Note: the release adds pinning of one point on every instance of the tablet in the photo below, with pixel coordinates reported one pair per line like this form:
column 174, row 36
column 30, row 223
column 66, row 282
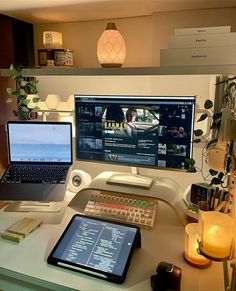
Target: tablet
column 96, row 247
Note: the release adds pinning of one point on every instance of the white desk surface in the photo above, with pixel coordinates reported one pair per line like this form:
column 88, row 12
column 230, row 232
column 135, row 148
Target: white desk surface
column 26, row 261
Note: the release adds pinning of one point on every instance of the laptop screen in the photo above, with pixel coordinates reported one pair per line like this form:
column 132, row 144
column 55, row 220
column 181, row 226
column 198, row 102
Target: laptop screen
column 40, row 142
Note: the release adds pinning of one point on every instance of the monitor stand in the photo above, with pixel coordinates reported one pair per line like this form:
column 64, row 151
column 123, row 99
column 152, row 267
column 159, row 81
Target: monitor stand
column 133, row 179
column 34, row 206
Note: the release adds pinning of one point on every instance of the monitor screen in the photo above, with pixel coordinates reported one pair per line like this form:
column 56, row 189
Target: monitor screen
column 142, row 131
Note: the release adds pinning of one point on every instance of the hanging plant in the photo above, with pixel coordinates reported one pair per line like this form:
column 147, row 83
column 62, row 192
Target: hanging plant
column 24, row 86
column 227, row 101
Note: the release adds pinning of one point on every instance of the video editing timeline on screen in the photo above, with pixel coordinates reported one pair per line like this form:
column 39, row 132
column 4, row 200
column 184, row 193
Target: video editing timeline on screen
column 145, row 131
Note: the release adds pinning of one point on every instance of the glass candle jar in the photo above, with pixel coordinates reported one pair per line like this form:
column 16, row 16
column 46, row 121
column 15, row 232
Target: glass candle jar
column 191, row 254
column 216, row 234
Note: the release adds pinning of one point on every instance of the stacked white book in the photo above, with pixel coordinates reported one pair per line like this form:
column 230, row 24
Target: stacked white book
column 200, row 46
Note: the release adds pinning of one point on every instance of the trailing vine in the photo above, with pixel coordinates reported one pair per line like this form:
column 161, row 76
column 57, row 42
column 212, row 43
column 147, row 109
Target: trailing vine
column 227, row 101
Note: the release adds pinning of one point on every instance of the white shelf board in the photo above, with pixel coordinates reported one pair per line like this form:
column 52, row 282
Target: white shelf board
column 180, row 70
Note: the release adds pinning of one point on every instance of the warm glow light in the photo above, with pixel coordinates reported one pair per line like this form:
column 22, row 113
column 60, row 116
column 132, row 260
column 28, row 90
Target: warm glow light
column 71, row 101
column 52, row 39
column 111, row 49
column 191, row 245
column 52, row 101
column 42, row 106
column 63, row 106
column 216, row 234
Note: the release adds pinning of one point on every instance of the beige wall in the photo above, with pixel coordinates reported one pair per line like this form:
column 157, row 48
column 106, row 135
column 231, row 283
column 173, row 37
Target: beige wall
column 144, row 36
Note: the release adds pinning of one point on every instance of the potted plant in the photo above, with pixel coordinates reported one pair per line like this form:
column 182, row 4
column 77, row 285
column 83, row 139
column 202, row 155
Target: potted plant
column 227, row 101
column 24, row 87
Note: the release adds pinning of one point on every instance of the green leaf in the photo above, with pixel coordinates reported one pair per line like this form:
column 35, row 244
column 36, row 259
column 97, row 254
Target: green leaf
column 202, row 117
column 198, row 132
column 213, row 141
column 36, row 99
column 22, row 92
column 34, row 90
column 36, row 108
column 25, row 102
column 16, row 93
column 23, row 83
column 213, row 172
column 15, row 113
column 18, row 68
column 220, row 175
column 191, row 170
column 208, row 104
column 190, row 162
column 19, row 78
column 34, row 82
column 24, row 109
column 197, row 140
column 216, row 181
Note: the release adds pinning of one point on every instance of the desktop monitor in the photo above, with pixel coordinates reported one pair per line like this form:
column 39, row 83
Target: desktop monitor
column 138, row 131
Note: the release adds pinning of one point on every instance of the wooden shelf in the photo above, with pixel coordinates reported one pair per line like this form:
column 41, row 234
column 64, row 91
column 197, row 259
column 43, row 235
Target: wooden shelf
column 132, row 71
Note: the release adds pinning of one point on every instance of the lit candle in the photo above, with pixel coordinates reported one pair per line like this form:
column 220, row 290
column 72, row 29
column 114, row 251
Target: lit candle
column 216, row 234
column 52, row 39
column 191, row 245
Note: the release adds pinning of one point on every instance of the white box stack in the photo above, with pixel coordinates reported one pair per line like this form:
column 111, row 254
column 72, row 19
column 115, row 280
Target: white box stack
column 200, row 46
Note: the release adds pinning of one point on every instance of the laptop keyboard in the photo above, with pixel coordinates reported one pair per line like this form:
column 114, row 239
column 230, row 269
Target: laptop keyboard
column 36, row 174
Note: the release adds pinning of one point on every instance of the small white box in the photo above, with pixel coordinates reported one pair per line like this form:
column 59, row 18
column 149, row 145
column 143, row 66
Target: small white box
column 202, row 30
column 203, row 40
column 198, row 56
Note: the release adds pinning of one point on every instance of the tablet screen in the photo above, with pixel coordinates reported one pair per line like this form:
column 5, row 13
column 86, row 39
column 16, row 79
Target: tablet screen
column 95, row 244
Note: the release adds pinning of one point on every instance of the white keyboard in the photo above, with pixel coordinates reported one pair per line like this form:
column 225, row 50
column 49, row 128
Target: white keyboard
column 122, row 208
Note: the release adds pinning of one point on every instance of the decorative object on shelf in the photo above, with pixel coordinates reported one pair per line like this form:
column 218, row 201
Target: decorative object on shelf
column 53, row 54
column 191, row 254
column 52, row 39
column 200, row 46
column 55, row 57
column 24, row 86
column 63, row 57
column 111, row 48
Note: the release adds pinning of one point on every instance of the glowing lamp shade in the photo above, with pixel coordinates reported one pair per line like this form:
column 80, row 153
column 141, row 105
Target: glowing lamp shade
column 191, row 247
column 52, row 101
column 63, row 106
column 111, row 49
column 216, row 231
column 42, row 106
column 52, row 39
